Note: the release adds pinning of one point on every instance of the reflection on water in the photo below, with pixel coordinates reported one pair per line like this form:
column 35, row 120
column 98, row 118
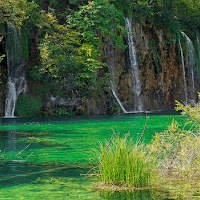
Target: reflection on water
column 8, row 140
column 12, row 138
column 136, row 195
column 71, row 119
column 16, row 173
column 62, row 151
column 60, row 181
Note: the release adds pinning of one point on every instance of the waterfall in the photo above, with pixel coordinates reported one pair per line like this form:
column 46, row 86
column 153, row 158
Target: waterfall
column 191, row 64
column 112, row 79
column 198, row 43
column 16, row 61
column 138, row 106
column 183, row 67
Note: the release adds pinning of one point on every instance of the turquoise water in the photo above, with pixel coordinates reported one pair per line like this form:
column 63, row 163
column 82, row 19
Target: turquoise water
column 46, row 160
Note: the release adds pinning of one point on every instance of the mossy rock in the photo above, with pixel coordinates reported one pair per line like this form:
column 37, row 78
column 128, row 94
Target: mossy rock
column 2, row 29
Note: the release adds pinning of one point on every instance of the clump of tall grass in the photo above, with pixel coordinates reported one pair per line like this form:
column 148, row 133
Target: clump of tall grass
column 122, row 162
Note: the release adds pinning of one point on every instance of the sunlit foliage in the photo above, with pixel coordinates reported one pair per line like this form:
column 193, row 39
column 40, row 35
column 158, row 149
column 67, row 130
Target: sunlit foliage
column 177, row 150
column 16, row 11
column 70, row 52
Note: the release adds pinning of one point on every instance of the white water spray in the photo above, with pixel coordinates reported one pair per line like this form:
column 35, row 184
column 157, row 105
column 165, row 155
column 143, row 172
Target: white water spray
column 184, row 77
column 16, row 83
column 138, row 106
column 191, row 64
column 198, row 43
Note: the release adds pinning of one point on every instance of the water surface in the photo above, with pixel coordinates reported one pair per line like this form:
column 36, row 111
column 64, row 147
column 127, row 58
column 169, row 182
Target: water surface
column 57, row 153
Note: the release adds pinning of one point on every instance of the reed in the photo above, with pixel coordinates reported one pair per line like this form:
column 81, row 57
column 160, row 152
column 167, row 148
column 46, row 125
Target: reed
column 123, row 162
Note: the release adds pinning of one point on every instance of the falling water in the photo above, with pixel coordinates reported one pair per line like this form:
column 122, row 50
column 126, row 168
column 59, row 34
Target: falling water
column 16, row 83
column 112, row 79
column 138, row 106
column 198, row 43
column 183, row 67
column 191, row 64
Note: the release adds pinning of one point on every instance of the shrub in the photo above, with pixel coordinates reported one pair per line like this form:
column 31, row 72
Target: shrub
column 124, row 163
column 193, row 111
column 177, row 150
column 61, row 112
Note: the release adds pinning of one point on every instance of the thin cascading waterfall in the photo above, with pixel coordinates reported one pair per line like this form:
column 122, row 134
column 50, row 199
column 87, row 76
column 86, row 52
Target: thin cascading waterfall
column 198, row 44
column 184, row 77
column 112, row 77
column 138, row 105
column 16, row 61
column 191, row 64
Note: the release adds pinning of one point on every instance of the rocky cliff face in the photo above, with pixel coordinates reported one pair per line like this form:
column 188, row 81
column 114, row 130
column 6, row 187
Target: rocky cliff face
column 160, row 69
column 1, row 94
column 2, row 70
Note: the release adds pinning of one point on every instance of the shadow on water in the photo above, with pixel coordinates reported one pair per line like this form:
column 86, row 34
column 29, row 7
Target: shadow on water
column 145, row 194
column 16, row 173
column 74, row 119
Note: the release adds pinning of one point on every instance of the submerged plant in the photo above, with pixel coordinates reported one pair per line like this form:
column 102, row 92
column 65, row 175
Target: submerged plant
column 122, row 162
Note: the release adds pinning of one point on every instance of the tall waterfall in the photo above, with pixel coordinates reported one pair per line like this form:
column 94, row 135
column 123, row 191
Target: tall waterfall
column 112, row 75
column 16, row 61
column 198, row 43
column 138, row 106
column 183, row 67
column 191, row 64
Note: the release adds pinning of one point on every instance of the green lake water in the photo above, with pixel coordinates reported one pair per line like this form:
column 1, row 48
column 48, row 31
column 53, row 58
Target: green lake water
column 59, row 152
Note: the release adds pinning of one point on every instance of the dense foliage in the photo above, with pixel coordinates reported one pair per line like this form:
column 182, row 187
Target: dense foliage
column 28, row 106
column 19, row 12
column 176, row 151
column 71, row 34
column 71, row 51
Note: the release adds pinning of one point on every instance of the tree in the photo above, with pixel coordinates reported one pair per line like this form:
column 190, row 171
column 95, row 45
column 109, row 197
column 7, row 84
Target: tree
column 70, row 52
column 16, row 11
column 98, row 17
